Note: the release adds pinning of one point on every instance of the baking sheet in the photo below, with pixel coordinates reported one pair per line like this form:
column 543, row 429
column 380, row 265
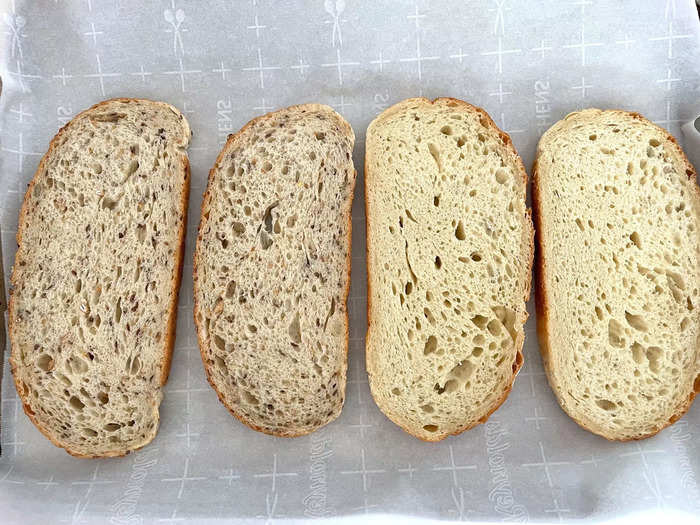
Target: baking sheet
column 528, row 63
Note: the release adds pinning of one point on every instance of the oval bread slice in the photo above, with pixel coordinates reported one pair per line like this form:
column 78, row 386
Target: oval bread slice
column 449, row 256
column 96, row 276
column 617, row 209
column 272, row 269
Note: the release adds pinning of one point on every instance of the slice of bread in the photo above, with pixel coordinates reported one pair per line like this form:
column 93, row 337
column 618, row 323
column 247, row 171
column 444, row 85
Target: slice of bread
column 272, row 269
column 96, row 276
column 449, row 256
column 617, row 212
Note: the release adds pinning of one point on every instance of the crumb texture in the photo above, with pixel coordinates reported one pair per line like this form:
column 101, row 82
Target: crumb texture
column 272, row 270
column 618, row 213
column 449, row 260
column 96, row 274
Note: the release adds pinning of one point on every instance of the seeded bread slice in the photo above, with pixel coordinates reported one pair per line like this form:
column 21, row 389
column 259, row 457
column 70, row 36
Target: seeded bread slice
column 617, row 212
column 449, row 256
column 272, row 269
column 96, row 276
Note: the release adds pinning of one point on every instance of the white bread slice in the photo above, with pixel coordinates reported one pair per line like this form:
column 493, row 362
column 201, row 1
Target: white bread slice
column 272, row 269
column 449, row 256
column 617, row 212
column 96, row 276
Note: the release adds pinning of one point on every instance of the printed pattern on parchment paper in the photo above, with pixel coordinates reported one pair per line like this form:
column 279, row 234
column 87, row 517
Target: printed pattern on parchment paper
column 527, row 63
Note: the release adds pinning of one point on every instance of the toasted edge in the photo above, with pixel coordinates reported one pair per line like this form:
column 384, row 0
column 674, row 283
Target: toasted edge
column 169, row 340
column 508, row 145
column 203, row 342
column 541, row 303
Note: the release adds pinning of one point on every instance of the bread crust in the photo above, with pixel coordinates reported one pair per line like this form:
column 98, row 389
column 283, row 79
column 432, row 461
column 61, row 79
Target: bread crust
column 204, row 342
column 541, row 302
column 528, row 241
column 169, row 340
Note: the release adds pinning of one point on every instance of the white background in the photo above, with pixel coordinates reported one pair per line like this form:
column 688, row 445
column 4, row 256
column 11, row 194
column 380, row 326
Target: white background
column 528, row 63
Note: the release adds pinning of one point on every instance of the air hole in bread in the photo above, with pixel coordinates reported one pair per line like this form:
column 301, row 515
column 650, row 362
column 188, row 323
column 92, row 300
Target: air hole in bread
column 634, row 237
column 76, row 403
column 133, row 365
column 460, row 234
column 294, row 329
column 130, row 169
column 606, row 404
column 250, row 398
column 480, row 321
column 599, row 313
column 430, row 345
column 109, row 203
column 654, row 355
column 636, row 321
column 45, row 362
column 435, row 153
column 615, row 334
column 501, row 176
column 494, row 327
column 265, row 240
column 238, row 228
column 462, row 371
column 230, row 289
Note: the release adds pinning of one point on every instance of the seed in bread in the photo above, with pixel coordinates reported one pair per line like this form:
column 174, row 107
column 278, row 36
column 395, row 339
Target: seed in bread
column 96, row 276
column 272, row 270
column 449, row 254
column 617, row 209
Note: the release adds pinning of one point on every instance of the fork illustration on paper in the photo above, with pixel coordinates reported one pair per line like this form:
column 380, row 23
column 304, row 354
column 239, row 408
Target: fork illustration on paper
column 175, row 20
column 16, row 24
column 335, row 9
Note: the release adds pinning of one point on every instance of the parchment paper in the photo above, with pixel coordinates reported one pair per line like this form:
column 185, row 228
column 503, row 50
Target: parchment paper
column 528, row 63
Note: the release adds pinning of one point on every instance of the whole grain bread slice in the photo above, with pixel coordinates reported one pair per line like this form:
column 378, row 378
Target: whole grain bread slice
column 449, row 256
column 96, row 276
column 272, row 267
column 617, row 210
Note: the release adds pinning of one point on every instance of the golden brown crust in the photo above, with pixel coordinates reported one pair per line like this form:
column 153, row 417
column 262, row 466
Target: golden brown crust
column 541, row 303
column 177, row 278
column 202, row 341
column 508, row 144
column 168, row 341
